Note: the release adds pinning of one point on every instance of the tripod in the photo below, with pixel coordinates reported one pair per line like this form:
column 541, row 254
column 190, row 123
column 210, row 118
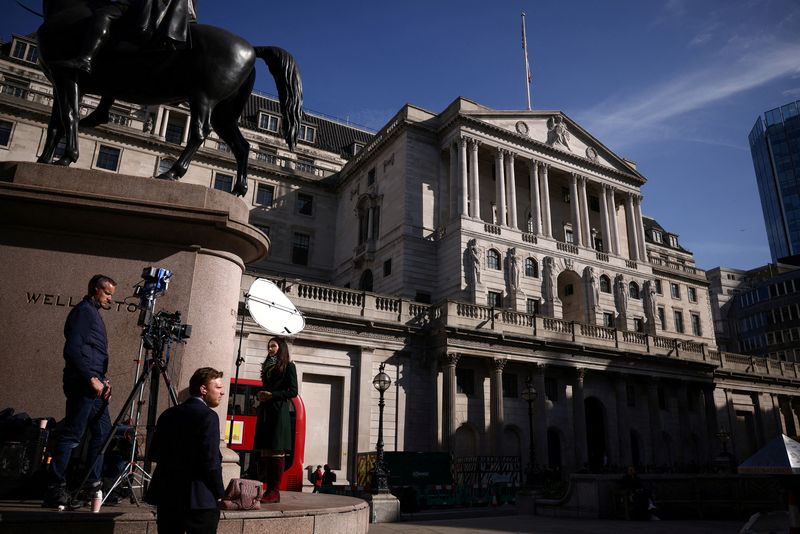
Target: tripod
column 133, row 475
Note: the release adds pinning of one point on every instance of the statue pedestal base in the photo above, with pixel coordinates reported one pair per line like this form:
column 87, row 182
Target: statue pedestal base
column 552, row 309
column 60, row 226
column 383, row 508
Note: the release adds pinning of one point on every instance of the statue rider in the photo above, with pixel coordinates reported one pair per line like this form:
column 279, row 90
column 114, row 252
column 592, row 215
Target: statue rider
column 166, row 22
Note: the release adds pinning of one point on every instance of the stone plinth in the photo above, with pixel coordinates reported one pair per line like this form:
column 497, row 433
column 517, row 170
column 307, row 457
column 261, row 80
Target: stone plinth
column 384, row 508
column 60, row 226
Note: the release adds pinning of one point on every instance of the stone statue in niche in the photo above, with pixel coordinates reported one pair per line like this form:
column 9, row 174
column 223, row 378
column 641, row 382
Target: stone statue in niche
column 592, row 289
column 513, row 269
column 557, row 133
column 548, row 279
column 649, row 301
column 474, row 262
column 620, row 295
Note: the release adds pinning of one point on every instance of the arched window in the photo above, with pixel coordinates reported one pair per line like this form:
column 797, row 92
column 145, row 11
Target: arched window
column 531, row 268
column 365, row 283
column 605, row 284
column 493, row 259
column 633, row 290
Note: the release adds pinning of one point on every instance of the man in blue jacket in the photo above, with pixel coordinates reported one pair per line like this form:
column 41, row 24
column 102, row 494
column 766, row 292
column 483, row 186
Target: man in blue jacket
column 187, row 482
column 86, row 388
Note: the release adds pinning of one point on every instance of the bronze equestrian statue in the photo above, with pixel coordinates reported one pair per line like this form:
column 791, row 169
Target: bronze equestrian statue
column 213, row 71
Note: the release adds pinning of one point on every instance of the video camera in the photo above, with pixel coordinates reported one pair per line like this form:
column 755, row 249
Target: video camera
column 160, row 327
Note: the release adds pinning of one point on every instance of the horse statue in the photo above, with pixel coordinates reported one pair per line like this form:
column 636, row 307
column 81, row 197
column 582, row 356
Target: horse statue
column 215, row 76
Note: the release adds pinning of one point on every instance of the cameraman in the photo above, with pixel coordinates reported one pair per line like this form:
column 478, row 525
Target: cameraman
column 86, row 389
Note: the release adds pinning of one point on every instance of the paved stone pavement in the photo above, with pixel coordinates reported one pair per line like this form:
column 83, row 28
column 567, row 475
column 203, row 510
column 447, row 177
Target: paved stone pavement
column 548, row 525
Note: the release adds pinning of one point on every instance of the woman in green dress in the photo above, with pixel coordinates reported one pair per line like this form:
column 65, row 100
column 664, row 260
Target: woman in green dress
column 273, row 429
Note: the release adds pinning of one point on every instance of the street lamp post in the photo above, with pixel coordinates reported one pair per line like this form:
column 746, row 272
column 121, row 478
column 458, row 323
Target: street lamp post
column 529, row 395
column 380, row 476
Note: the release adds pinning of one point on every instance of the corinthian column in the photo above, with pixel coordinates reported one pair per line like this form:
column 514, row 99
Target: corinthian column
column 612, row 221
column 544, row 193
column 496, row 406
column 475, row 187
column 587, row 231
column 604, row 226
column 462, row 176
column 512, row 191
column 579, row 423
column 501, row 187
column 637, row 213
column 449, row 362
column 577, row 234
column 633, row 241
column 536, row 224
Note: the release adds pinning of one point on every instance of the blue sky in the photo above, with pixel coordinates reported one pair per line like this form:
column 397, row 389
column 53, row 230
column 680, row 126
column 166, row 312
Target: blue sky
column 674, row 85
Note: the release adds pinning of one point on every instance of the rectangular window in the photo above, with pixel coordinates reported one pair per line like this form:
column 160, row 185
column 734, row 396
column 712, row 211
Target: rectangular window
column 594, row 203
column 268, row 122
column 33, row 54
column 300, row 246
column 494, row 299
column 551, row 388
column 608, row 320
column 387, row 267
column 108, row 158
column 371, row 176
column 307, row 133
column 696, row 329
column 5, row 132
column 510, row 388
column 678, row 321
column 692, row 294
column 265, row 195
column 630, row 395
column 19, row 50
column 465, row 381
column 675, row 290
column 659, row 289
column 532, row 306
column 568, row 237
column 305, row 204
column 223, row 182
column 565, row 195
column 662, row 318
column 638, row 324
column 174, row 133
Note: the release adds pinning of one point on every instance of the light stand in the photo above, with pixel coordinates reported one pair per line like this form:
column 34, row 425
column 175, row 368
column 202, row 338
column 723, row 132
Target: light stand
column 239, row 362
column 380, row 476
column 529, row 395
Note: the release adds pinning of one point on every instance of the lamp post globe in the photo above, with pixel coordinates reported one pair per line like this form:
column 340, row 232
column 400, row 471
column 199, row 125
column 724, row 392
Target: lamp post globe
column 380, row 477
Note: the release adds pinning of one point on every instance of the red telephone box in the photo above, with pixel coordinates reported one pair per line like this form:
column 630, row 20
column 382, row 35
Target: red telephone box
column 242, row 406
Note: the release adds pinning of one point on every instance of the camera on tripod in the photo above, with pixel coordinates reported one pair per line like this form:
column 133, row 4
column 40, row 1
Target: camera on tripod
column 160, row 327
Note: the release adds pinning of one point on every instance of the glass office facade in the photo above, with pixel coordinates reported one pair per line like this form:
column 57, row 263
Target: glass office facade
column 775, row 147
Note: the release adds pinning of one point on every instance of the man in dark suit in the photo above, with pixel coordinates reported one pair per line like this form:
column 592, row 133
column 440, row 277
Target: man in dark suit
column 187, row 482
column 86, row 388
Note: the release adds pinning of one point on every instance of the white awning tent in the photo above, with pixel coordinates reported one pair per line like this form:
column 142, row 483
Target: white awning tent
column 781, row 456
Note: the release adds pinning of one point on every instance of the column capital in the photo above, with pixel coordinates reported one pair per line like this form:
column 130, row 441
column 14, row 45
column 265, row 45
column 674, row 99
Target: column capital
column 450, row 359
column 501, row 153
column 498, row 364
column 580, row 375
column 462, row 139
column 474, row 143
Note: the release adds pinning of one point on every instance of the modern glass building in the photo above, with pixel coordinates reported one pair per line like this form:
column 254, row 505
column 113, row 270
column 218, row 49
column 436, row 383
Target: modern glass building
column 775, row 146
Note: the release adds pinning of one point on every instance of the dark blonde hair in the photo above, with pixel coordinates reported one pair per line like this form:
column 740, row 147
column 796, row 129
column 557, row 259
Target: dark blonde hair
column 202, row 377
column 283, row 354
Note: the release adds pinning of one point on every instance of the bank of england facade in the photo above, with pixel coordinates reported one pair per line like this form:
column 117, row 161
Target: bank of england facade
column 470, row 251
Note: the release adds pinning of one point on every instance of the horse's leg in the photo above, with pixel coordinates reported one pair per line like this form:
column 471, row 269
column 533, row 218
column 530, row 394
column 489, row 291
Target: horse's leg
column 100, row 115
column 68, row 103
column 54, row 134
column 199, row 127
column 225, row 119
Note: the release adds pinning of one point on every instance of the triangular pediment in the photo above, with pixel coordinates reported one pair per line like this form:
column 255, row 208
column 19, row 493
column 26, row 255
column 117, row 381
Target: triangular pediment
column 553, row 129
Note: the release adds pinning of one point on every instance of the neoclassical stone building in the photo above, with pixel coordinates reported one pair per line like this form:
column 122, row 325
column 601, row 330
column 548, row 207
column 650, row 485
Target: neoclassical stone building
column 469, row 251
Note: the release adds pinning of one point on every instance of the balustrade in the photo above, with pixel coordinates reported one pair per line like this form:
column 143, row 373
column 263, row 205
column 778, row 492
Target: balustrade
column 567, row 247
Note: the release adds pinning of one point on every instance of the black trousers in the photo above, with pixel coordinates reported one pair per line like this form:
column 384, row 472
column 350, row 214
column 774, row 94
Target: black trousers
column 171, row 521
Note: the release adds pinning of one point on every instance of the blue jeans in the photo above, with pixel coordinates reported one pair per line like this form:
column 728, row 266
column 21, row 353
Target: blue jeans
column 82, row 413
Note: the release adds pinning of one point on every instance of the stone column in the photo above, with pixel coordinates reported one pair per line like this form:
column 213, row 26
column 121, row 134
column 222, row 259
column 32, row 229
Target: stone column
column 449, row 362
column 158, row 126
column 684, row 429
column 637, row 203
column 623, row 427
column 712, row 426
column 759, row 423
column 540, row 416
column 633, row 241
column 475, row 186
column 462, row 176
column 544, row 194
column 579, row 415
column 536, row 216
column 612, row 221
column 370, row 215
column 452, row 194
column 655, row 421
column 186, row 130
column 788, row 417
column 586, row 227
column 164, row 122
column 496, row 405
column 500, row 180
column 577, row 234
column 604, row 226
column 365, row 402
column 511, row 191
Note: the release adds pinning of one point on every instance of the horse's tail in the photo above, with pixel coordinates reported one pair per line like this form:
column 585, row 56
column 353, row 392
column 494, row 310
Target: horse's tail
column 290, row 90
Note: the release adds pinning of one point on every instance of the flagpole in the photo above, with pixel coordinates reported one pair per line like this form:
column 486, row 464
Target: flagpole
column 527, row 65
